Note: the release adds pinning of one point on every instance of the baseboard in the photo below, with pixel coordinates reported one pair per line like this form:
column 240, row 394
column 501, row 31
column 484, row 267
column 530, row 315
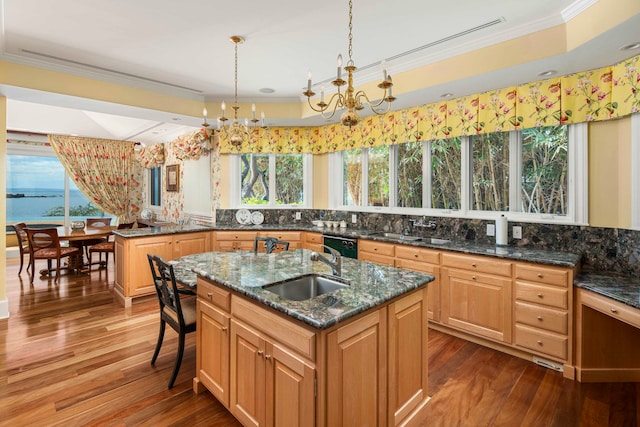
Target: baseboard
column 4, row 309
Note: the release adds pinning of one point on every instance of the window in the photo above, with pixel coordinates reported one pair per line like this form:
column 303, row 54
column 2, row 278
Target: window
column 271, row 180
column 155, row 186
column 48, row 196
column 534, row 175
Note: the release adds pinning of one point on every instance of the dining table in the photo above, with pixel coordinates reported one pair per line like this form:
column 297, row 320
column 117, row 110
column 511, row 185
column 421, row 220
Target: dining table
column 79, row 238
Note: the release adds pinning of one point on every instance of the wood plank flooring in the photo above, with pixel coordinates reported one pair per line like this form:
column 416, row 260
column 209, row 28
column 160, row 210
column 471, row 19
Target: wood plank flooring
column 71, row 356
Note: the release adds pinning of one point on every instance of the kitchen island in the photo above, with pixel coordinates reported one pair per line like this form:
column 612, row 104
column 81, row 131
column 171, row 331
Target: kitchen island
column 353, row 356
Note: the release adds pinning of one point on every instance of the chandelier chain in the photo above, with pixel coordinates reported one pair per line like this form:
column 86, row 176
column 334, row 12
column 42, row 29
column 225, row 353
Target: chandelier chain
column 350, row 31
column 236, row 80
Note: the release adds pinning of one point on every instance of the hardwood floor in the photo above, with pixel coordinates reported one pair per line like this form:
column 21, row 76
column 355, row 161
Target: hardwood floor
column 70, row 355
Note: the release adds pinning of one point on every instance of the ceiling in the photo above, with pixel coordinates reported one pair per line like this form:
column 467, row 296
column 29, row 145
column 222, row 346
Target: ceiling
column 183, row 48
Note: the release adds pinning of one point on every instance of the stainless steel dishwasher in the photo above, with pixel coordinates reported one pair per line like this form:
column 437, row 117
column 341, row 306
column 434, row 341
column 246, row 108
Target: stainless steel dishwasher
column 346, row 247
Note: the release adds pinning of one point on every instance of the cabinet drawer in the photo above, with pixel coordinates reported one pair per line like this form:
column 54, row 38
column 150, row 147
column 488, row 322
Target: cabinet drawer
column 480, row 264
column 539, row 274
column 235, row 235
column 214, row 294
column 546, row 295
column 376, row 247
column 418, row 254
column 542, row 317
column 422, row 267
column 542, row 342
column 285, row 236
column 615, row 309
column 376, row 258
column 313, row 238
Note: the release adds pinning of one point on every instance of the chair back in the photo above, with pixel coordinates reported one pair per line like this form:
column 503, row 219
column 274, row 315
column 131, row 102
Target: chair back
column 43, row 238
column 125, row 225
column 164, row 280
column 21, row 235
column 99, row 222
column 270, row 244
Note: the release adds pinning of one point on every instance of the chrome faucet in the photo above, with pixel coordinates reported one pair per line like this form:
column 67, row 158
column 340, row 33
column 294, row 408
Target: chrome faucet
column 335, row 262
column 420, row 223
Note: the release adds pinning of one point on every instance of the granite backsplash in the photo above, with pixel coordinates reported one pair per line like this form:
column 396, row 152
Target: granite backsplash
column 603, row 249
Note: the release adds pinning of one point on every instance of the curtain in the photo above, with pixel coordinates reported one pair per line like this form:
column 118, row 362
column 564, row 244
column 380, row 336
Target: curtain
column 103, row 170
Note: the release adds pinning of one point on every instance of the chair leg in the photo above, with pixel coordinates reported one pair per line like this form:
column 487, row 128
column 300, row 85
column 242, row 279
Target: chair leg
column 159, row 343
column 106, row 260
column 176, row 368
column 21, row 262
column 57, row 271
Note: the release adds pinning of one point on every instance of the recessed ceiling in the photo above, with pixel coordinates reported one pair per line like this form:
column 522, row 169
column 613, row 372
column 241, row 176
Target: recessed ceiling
column 183, row 48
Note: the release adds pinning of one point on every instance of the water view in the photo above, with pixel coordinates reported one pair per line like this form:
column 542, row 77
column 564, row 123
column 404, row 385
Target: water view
column 44, row 204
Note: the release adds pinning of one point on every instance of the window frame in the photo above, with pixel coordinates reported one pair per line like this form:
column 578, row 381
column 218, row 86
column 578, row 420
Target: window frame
column 149, row 186
column 577, row 183
column 235, row 167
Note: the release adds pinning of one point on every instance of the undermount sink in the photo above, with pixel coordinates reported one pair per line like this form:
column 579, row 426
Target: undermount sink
column 306, row 287
column 409, row 238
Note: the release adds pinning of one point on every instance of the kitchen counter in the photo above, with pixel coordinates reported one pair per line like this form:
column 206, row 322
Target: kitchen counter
column 560, row 259
column 619, row 288
column 246, row 273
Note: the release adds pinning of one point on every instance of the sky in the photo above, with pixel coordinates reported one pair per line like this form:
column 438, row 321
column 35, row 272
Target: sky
column 35, row 172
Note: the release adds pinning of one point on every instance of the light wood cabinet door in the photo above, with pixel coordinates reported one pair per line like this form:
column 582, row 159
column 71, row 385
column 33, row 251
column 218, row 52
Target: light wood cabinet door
column 212, row 350
column 138, row 280
column 355, row 397
column 270, row 386
column 247, row 401
column 290, row 392
column 477, row 303
column 434, row 286
column 408, row 358
column 313, row 241
column 191, row 243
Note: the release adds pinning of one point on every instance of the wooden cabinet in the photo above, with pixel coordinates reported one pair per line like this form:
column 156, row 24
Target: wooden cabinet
column 356, row 380
column 407, row 358
column 380, row 253
column 476, row 302
column 541, row 310
column 313, row 241
column 607, row 339
column 212, row 341
column 370, row 370
column 425, row 261
column 133, row 274
column 234, row 240
column 293, row 237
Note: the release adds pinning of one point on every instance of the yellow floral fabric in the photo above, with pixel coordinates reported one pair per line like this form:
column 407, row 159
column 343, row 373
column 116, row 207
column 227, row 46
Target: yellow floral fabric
column 601, row 94
column 626, row 87
column 497, row 110
column 587, row 96
column 193, row 145
column 538, row 104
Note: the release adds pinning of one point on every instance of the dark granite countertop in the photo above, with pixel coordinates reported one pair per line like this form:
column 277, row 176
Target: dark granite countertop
column 160, row 231
column 246, row 273
column 619, row 288
column 561, row 259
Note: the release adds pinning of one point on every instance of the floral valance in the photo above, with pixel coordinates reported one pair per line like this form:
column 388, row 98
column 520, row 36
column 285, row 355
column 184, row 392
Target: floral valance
column 151, row 156
column 193, row 145
column 602, row 94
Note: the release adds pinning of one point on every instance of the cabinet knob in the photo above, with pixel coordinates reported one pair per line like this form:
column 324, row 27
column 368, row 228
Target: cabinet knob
column 223, row 329
column 539, row 342
column 375, row 249
column 539, row 318
column 540, row 296
column 415, row 255
column 267, row 357
column 260, row 352
column 209, row 295
column 614, row 311
column 473, row 277
column 473, row 264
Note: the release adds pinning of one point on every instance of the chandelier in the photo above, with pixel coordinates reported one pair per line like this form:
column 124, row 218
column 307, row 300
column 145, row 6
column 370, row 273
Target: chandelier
column 236, row 132
column 351, row 100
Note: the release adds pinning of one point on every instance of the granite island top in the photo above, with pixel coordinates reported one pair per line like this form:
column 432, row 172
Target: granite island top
column 557, row 258
column 246, row 273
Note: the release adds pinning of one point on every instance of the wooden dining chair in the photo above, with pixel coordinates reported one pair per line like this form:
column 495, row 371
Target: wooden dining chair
column 269, row 245
column 179, row 313
column 95, row 223
column 45, row 244
column 106, row 247
column 23, row 243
